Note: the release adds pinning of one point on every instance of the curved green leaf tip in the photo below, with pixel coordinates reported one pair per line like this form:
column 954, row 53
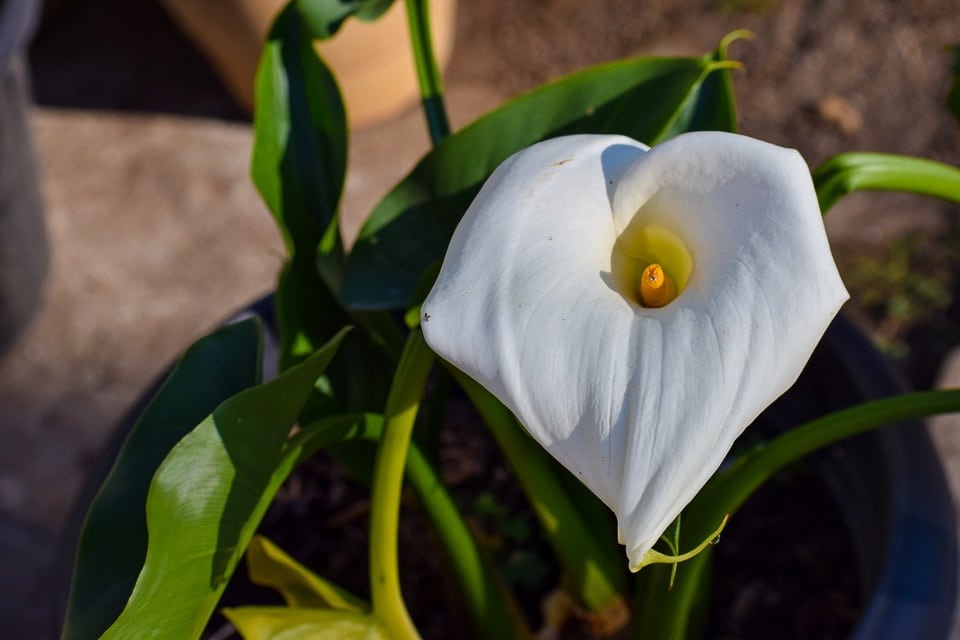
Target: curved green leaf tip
column 113, row 541
column 730, row 38
column 325, row 17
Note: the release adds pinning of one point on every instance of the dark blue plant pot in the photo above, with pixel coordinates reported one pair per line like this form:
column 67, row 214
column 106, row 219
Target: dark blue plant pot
column 914, row 573
column 890, row 486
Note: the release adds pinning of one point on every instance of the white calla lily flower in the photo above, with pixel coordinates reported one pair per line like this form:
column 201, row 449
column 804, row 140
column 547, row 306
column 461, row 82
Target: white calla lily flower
column 637, row 308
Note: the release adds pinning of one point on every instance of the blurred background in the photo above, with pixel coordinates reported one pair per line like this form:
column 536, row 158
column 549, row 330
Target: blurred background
column 129, row 226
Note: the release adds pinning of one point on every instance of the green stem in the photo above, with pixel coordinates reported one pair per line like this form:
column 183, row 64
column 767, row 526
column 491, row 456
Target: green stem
column 428, row 74
column 594, row 570
column 401, row 413
column 490, row 607
column 492, row 614
column 849, row 172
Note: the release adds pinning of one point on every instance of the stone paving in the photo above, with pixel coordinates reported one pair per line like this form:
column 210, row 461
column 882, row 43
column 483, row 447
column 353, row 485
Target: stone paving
column 156, row 234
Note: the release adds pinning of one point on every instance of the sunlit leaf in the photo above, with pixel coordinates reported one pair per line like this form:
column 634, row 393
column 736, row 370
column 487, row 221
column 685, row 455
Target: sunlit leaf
column 279, row 623
column 270, row 566
column 300, row 145
column 205, row 502
column 299, row 160
column 113, row 542
column 325, row 17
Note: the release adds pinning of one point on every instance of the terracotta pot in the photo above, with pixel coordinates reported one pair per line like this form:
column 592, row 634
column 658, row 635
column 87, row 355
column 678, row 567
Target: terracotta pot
column 372, row 61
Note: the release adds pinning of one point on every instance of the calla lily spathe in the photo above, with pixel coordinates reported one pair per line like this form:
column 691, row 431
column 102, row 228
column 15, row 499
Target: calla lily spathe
column 539, row 301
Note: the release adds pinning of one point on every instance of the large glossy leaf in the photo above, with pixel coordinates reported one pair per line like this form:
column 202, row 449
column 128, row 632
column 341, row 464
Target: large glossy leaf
column 711, row 106
column 300, row 145
column 325, row 17
column 307, row 314
column 279, row 623
column 644, row 98
column 206, row 499
column 113, row 542
column 299, row 160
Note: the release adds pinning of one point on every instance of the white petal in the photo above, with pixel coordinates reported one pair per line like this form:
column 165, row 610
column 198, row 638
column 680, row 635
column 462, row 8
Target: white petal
column 641, row 404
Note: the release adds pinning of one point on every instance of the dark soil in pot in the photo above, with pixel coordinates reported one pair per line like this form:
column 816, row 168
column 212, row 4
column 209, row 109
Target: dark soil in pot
column 785, row 566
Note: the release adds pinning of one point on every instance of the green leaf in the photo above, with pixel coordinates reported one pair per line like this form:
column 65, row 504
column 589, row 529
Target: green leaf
column 644, row 98
column 299, row 160
column 298, row 165
column 358, row 378
column 953, row 98
column 711, row 106
column 268, row 565
column 279, row 623
column 849, row 172
column 307, row 314
column 113, row 542
column 206, row 500
column 489, row 606
column 300, row 145
column 325, row 17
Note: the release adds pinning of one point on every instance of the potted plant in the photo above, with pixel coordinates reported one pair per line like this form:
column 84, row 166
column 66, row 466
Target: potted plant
column 634, row 308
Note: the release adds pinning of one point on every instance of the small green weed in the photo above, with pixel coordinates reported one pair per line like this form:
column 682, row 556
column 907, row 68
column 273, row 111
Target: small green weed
column 908, row 286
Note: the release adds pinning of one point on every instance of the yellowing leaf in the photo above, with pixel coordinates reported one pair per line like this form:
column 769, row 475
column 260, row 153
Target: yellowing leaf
column 270, row 566
column 281, row 623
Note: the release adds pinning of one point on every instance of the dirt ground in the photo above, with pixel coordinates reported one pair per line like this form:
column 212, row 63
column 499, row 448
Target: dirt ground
column 156, row 233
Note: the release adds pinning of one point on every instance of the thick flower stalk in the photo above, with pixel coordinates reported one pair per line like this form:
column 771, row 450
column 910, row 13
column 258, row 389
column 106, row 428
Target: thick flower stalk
column 636, row 309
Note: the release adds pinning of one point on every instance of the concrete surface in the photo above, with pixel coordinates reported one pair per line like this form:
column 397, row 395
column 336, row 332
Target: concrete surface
column 156, row 232
column 155, row 238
